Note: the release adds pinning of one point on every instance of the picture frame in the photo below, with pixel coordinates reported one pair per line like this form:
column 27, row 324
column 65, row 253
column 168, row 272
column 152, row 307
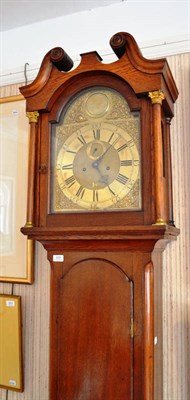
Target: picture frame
column 16, row 251
column 11, row 363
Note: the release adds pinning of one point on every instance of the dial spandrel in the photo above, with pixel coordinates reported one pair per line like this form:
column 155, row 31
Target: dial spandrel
column 96, row 154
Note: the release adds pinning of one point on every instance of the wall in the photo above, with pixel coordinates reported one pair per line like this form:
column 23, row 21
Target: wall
column 159, row 27
column 176, row 271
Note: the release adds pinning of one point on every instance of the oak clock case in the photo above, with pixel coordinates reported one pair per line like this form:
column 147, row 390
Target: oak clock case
column 100, row 202
column 96, row 154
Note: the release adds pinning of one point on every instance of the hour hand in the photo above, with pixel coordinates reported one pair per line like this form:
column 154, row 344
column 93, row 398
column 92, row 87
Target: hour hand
column 96, row 163
column 103, row 178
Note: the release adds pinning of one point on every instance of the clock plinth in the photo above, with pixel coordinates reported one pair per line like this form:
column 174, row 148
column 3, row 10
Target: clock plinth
column 100, row 202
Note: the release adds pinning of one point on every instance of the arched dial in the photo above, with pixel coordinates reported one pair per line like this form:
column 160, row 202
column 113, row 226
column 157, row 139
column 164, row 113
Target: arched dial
column 97, row 166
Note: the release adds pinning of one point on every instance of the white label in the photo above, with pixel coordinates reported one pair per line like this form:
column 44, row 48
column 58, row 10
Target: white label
column 155, row 340
column 10, row 303
column 58, row 257
column 12, row 382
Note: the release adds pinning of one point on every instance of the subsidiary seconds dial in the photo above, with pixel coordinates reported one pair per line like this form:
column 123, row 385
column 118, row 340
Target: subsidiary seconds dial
column 97, row 166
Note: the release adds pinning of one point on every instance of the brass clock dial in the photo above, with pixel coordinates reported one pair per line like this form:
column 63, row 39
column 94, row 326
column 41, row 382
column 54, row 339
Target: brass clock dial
column 97, row 159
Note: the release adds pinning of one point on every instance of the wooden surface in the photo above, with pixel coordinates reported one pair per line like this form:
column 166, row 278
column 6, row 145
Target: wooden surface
column 81, row 366
column 149, row 331
column 95, row 350
column 143, row 73
column 101, row 288
column 31, row 173
column 134, row 77
column 158, row 327
column 158, row 169
column 175, row 280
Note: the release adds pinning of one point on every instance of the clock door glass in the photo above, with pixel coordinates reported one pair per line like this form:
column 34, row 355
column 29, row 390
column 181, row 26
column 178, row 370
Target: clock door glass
column 96, row 157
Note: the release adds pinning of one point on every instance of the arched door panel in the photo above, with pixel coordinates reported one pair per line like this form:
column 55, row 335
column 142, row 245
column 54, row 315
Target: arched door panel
column 95, row 347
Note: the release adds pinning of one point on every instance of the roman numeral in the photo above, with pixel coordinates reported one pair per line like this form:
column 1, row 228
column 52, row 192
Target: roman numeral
column 130, row 183
column 95, row 195
column 68, row 166
column 122, row 147
column 71, row 151
column 130, row 143
column 115, row 140
column 62, row 186
column 111, row 191
column 136, row 162
column 96, row 133
column 81, row 139
column 122, row 179
column 70, row 181
column 126, row 163
column 80, row 192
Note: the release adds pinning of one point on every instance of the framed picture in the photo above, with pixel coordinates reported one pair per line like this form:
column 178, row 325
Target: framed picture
column 11, row 369
column 16, row 252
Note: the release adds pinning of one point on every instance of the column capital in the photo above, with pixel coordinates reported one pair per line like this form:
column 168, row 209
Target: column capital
column 32, row 116
column 156, row 97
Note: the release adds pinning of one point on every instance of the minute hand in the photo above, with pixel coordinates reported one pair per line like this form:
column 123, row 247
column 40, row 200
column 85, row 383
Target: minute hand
column 97, row 162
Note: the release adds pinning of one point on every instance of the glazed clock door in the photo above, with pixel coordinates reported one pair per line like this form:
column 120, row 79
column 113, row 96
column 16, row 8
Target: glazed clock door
column 96, row 154
column 94, row 346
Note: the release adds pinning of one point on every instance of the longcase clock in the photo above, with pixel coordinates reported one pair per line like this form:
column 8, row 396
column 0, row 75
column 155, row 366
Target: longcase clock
column 100, row 202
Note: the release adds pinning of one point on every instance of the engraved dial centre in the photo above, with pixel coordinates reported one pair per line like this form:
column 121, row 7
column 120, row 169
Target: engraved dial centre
column 96, row 165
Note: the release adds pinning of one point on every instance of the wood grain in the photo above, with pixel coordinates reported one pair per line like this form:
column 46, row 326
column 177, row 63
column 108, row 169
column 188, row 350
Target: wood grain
column 95, row 347
column 158, row 152
column 82, row 366
column 148, row 332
